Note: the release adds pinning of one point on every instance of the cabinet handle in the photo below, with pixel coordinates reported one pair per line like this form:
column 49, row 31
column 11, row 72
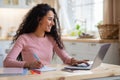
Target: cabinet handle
column 93, row 44
column 73, row 43
column 73, row 54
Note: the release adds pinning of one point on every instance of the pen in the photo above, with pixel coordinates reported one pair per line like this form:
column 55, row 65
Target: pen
column 36, row 57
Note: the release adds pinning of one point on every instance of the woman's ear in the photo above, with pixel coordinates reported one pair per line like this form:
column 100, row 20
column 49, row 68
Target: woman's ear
column 40, row 22
column 38, row 19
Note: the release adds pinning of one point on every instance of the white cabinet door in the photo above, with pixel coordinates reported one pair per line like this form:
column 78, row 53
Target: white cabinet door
column 56, row 60
column 4, row 45
column 113, row 55
column 1, row 60
column 81, row 50
column 84, row 50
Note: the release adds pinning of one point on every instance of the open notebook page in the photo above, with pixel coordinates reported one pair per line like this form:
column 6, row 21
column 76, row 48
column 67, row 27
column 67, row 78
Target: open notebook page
column 46, row 68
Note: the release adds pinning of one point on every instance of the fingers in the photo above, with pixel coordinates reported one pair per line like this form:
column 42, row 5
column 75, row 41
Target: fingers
column 75, row 62
column 84, row 61
column 36, row 64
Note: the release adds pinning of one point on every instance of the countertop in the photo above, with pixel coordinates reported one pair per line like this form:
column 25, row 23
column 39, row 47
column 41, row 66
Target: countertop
column 5, row 39
column 70, row 39
column 104, row 70
column 95, row 40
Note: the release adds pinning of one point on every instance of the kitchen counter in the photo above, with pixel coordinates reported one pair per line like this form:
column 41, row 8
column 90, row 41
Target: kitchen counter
column 95, row 40
column 5, row 39
column 70, row 39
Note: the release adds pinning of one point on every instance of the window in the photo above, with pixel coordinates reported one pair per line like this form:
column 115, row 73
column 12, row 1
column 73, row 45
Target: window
column 86, row 13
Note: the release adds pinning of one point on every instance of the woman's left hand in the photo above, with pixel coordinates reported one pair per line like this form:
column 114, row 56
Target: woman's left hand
column 74, row 62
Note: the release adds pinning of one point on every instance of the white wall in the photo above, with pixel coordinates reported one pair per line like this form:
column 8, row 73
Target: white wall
column 10, row 17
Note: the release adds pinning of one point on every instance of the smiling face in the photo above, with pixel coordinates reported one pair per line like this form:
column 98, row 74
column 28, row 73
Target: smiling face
column 46, row 23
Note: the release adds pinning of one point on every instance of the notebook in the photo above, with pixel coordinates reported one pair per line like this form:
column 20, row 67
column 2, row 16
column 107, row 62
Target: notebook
column 93, row 64
column 12, row 71
column 46, row 68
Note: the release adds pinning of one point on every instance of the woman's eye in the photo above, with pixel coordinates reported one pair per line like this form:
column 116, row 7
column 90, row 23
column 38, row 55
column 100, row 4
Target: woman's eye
column 50, row 19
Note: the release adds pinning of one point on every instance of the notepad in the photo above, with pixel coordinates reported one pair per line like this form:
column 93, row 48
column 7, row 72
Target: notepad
column 13, row 71
column 46, row 68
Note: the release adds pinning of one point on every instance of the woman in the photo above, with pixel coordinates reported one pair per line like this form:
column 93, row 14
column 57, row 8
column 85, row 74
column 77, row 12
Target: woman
column 38, row 34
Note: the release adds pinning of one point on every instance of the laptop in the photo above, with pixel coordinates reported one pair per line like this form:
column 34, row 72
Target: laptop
column 93, row 64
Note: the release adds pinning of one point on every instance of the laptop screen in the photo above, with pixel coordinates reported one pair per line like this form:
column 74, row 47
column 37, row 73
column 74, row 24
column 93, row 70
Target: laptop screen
column 100, row 56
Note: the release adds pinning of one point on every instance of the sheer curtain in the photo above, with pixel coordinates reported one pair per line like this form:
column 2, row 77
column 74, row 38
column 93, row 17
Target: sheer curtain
column 63, row 16
column 85, row 12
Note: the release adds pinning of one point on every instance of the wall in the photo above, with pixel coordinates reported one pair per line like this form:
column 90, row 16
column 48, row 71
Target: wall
column 10, row 18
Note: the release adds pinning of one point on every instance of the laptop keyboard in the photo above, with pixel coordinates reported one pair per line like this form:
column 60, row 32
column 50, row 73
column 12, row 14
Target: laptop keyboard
column 82, row 65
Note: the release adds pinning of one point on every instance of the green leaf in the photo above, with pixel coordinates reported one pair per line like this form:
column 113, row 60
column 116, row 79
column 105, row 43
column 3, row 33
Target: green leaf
column 77, row 27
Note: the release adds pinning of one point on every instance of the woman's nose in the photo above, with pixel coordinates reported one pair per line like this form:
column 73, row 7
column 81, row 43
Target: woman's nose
column 53, row 23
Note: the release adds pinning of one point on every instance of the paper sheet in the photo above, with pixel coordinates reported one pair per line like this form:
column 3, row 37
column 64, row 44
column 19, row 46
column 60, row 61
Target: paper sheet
column 46, row 68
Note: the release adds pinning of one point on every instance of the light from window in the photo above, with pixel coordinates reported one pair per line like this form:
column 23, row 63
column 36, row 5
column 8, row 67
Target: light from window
column 87, row 13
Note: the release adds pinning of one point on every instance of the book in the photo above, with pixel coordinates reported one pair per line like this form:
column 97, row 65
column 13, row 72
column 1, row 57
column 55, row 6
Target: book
column 12, row 71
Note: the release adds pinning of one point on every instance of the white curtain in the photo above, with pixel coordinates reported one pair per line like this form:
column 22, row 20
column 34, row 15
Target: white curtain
column 63, row 15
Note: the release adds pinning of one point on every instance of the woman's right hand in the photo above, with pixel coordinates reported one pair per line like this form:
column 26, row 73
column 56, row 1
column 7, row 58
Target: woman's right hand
column 33, row 65
column 75, row 62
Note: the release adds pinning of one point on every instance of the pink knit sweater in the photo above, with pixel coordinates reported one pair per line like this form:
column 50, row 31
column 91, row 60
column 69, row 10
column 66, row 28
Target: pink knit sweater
column 29, row 44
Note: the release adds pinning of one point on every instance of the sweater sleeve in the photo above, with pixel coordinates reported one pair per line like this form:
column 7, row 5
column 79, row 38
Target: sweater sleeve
column 61, row 53
column 10, row 60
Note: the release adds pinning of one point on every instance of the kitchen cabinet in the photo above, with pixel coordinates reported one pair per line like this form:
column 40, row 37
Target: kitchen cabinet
column 1, row 60
column 4, row 47
column 18, row 3
column 88, row 50
column 80, row 50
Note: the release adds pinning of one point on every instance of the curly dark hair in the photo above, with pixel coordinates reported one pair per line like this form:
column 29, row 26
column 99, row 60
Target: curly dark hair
column 31, row 22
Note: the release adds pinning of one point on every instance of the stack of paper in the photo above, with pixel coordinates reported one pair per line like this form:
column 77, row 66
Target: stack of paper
column 13, row 71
